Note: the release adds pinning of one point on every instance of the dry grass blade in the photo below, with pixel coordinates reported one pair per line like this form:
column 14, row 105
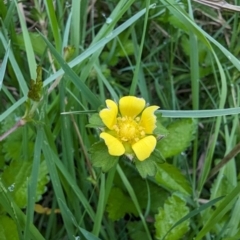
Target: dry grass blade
column 219, row 5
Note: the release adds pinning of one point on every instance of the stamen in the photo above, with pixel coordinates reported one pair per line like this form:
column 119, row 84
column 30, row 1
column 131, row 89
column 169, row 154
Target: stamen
column 128, row 129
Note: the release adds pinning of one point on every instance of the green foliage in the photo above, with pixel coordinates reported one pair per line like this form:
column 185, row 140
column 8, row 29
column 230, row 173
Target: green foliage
column 148, row 167
column 174, row 209
column 180, row 134
column 171, row 178
column 119, row 204
column 101, row 158
column 17, row 177
column 8, row 228
column 123, row 204
column 136, row 231
column 95, row 121
column 175, row 54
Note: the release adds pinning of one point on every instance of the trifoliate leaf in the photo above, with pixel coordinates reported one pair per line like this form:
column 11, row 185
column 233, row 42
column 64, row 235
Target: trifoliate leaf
column 119, row 204
column 180, row 134
column 174, row 209
column 95, row 121
column 101, row 158
column 16, row 177
column 171, row 178
column 8, row 228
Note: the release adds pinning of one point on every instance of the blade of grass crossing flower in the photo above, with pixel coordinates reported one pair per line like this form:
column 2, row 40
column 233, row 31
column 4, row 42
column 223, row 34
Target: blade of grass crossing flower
column 33, row 182
column 86, row 92
column 134, row 199
column 221, row 210
column 53, row 23
column 50, row 158
column 100, row 207
column 3, row 66
column 28, row 44
column 142, row 83
column 199, row 113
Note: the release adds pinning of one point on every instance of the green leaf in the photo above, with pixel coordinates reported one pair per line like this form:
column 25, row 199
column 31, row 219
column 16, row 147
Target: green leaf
column 38, row 43
column 157, row 194
column 174, row 209
column 180, row 134
column 136, row 231
column 160, row 129
column 171, row 178
column 149, row 193
column 101, row 158
column 119, row 204
column 8, row 228
column 148, row 166
column 95, row 121
column 16, row 177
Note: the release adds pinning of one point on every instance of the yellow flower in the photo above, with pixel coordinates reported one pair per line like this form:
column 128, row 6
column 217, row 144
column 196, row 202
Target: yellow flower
column 129, row 127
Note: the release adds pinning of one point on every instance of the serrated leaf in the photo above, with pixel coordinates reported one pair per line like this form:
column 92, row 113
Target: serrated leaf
column 148, row 166
column 8, row 228
column 180, row 134
column 174, row 209
column 171, row 178
column 119, row 204
column 95, row 121
column 101, row 158
column 160, row 129
column 16, row 177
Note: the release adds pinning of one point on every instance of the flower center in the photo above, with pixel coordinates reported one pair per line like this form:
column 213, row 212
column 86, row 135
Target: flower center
column 128, row 129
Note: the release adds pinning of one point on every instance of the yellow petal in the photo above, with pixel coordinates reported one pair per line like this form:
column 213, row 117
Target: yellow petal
column 109, row 114
column 131, row 106
column 148, row 119
column 115, row 147
column 144, row 147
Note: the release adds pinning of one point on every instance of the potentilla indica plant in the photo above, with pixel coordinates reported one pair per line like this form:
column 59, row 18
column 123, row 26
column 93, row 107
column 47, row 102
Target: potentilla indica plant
column 128, row 128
